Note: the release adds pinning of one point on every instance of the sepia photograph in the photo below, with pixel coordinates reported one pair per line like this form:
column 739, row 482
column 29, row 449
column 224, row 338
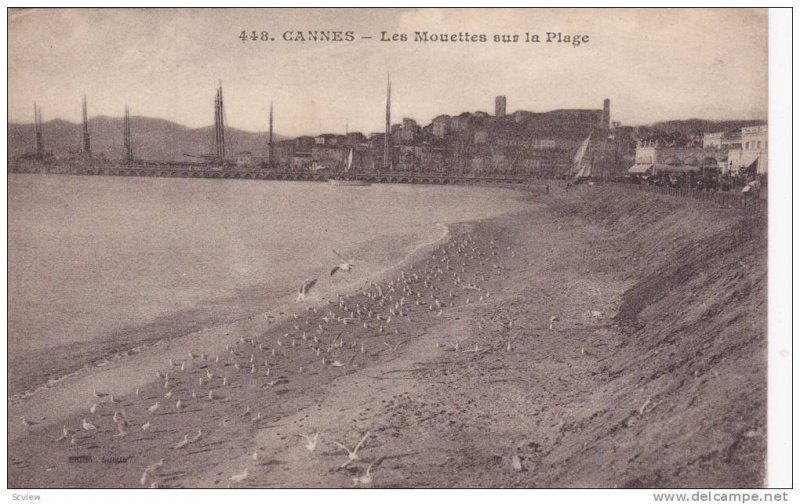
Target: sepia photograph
column 406, row 248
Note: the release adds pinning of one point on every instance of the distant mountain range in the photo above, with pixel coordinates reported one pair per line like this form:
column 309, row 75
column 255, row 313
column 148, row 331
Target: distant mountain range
column 151, row 139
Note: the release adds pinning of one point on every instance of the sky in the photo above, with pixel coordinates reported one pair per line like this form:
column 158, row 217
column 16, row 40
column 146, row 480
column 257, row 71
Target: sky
column 653, row 64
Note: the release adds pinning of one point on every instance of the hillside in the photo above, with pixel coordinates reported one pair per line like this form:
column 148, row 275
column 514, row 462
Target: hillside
column 152, row 139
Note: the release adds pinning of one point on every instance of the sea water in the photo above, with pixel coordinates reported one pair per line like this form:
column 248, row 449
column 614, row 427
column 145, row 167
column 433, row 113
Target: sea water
column 101, row 263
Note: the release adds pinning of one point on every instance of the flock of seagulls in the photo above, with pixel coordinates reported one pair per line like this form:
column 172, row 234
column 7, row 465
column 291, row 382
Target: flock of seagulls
column 368, row 323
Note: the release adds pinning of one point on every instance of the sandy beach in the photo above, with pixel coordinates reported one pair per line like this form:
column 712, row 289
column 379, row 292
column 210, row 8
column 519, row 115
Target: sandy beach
column 598, row 338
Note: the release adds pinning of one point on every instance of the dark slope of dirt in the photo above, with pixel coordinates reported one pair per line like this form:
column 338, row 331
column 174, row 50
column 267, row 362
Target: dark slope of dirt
column 685, row 396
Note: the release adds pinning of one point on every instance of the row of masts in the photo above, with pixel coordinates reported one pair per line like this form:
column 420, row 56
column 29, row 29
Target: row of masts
column 220, row 136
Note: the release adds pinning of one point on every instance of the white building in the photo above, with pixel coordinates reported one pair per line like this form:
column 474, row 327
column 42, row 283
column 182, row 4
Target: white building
column 755, row 144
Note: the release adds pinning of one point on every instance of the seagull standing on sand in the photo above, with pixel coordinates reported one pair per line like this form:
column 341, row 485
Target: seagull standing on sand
column 183, row 443
column 238, row 478
column 346, row 264
column 65, row 435
column 311, row 441
column 28, row 423
column 305, row 288
column 87, row 426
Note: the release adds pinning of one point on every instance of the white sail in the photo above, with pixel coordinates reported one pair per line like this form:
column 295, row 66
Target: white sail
column 577, row 161
column 349, row 161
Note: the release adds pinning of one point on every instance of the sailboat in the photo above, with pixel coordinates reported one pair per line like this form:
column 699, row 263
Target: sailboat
column 584, row 169
column 344, row 178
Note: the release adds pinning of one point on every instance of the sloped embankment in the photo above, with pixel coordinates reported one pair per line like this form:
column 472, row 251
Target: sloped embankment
column 685, row 393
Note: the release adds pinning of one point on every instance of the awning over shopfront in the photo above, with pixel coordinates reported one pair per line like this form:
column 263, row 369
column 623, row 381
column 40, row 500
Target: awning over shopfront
column 640, row 168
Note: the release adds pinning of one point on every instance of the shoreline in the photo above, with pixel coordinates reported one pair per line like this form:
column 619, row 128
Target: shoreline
column 211, row 341
column 139, row 358
column 34, row 369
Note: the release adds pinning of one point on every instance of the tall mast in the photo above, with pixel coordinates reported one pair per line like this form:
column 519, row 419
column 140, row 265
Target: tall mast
column 221, row 125
column 271, row 149
column 216, row 124
column 217, row 141
column 126, row 130
column 386, row 141
column 37, row 119
column 87, row 146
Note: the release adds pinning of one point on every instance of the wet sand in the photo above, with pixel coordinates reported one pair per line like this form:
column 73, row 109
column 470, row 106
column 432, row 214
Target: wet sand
column 475, row 364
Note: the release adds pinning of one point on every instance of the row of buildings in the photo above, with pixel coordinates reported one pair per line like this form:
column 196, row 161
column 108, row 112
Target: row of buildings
column 731, row 153
column 521, row 143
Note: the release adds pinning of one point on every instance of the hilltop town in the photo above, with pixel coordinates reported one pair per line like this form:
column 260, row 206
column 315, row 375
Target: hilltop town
column 521, row 145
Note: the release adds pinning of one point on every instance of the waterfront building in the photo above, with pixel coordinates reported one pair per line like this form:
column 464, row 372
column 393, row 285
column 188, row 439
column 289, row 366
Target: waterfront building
column 753, row 153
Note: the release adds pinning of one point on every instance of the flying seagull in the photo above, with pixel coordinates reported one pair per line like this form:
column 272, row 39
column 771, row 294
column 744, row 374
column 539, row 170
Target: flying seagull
column 346, row 264
column 352, row 455
column 305, row 288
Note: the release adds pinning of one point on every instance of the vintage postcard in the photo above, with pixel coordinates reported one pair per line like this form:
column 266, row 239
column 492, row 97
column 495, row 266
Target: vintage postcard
column 388, row 248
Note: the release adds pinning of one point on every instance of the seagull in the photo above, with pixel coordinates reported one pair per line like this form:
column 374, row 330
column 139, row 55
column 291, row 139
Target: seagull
column 238, row 478
column 352, row 455
column 346, row 264
column 305, row 288
column 153, row 467
column 183, row 443
column 311, row 441
column 87, row 426
column 65, row 435
column 146, row 425
column 29, row 423
column 120, row 419
column 366, row 479
column 149, row 470
column 153, row 408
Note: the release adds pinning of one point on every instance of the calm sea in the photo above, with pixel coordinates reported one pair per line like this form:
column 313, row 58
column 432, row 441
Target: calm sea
column 98, row 262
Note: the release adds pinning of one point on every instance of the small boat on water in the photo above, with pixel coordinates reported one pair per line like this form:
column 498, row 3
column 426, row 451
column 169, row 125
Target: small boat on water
column 344, row 178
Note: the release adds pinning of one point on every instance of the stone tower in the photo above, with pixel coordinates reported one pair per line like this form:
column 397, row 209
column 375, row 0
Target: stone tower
column 500, row 106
